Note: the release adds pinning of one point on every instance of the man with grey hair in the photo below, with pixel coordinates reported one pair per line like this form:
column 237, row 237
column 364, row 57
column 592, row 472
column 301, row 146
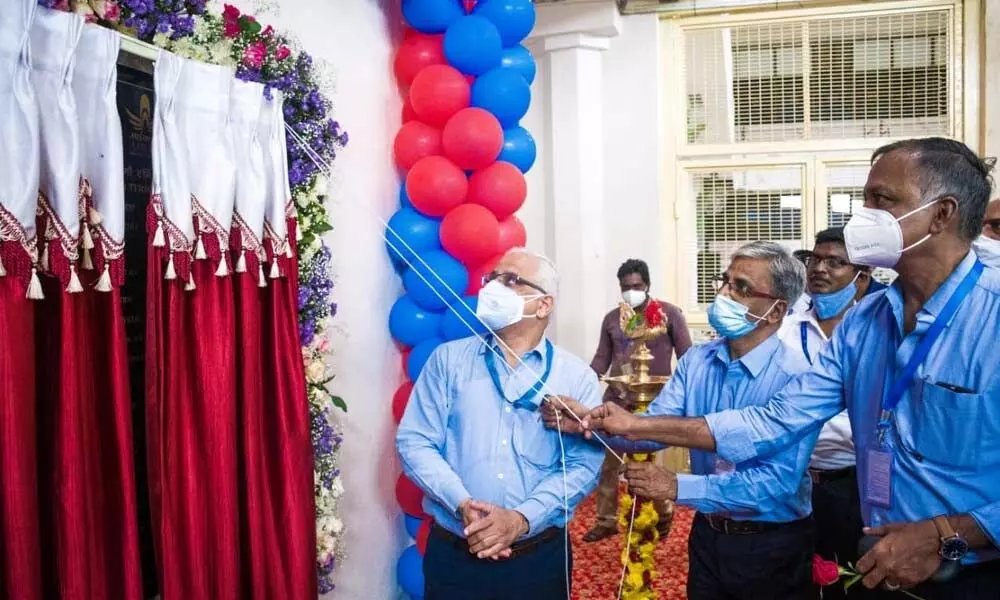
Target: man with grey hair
column 498, row 484
column 916, row 368
column 753, row 535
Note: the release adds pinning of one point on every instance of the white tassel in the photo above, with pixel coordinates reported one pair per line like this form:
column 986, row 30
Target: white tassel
column 275, row 270
column 35, row 287
column 261, row 280
column 88, row 240
column 104, row 283
column 199, row 250
column 171, row 272
column 44, row 260
column 189, row 286
column 94, row 216
column 159, row 240
column 74, row 286
column 3, row 271
column 86, row 262
column 241, row 262
column 223, row 269
column 288, row 250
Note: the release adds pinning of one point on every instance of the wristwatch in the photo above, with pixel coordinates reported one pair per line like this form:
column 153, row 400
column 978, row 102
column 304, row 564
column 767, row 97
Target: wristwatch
column 953, row 547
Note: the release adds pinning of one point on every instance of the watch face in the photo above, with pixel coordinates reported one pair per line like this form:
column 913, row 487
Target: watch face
column 954, row 548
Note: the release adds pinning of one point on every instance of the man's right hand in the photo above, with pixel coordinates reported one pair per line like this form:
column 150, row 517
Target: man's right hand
column 611, row 418
column 556, row 414
column 474, row 510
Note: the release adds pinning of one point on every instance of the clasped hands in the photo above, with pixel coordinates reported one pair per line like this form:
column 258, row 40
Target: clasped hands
column 570, row 416
column 491, row 530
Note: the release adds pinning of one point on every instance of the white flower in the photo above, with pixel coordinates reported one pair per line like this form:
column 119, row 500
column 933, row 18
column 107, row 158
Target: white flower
column 316, row 371
column 201, row 27
column 221, row 51
column 338, row 487
column 162, row 40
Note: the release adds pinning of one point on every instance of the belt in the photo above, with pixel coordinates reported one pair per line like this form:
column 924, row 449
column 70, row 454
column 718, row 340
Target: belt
column 519, row 548
column 732, row 527
column 820, row 476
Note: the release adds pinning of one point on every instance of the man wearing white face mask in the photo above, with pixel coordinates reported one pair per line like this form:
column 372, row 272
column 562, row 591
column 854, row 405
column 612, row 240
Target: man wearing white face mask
column 916, row 368
column 987, row 245
column 472, row 439
column 613, row 353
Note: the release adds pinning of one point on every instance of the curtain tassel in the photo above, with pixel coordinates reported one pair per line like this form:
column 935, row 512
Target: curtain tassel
column 94, row 216
column 3, row 271
column 199, row 250
column 86, row 262
column 223, row 269
column 104, row 283
column 241, row 262
column 171, row 272
column 35, row 287
column 190, row 286
column 74, row 286
column 288, row 250
column 88, row 240
column 261, row 280
column 159, row 240
column 275, row 270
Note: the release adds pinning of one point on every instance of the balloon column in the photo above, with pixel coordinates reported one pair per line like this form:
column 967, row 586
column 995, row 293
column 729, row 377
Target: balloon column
column 462, row 155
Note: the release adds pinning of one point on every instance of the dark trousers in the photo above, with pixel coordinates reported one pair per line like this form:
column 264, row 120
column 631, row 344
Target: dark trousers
column 771, row 565
column 981, row 582
column 452, row 573
column 837, row 512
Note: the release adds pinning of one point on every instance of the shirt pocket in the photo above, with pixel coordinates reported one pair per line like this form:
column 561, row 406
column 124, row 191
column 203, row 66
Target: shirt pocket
column 534, row 444
column 948, row 426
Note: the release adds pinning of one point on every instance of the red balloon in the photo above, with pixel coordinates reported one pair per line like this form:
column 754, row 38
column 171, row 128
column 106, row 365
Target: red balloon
column 512, row 234
column 499, row 187
column 470, row 233
column 408, row 114
column 435, row 186
column 414, row 141
column 476, row 275
column 417, row 51
column 399, row 400
column 472, row 139
column 409, row 497
column 438, row 92
column 422, row 534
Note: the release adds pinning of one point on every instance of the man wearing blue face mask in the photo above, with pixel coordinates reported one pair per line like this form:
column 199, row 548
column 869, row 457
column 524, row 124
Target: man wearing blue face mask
column 987, row 245
column 833, row 285
column 498, row 484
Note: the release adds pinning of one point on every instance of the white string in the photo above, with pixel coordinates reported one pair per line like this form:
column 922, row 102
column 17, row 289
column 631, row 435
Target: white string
column 628, row 547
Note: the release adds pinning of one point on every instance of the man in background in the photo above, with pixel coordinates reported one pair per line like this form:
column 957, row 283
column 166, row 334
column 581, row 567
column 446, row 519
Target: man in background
column 802, row 304
column 987, row 245
column 833, row 286
column 612, row 358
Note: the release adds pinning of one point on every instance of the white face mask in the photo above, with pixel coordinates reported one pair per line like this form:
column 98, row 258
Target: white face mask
column 500, row 307
column 988, row 250
column 634, row 298
column 874, row 238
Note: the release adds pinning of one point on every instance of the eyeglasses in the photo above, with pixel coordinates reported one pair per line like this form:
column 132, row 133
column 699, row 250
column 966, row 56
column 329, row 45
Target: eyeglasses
column 832, row 263
column 510, row 280
column 992, row 225
column 740, row 286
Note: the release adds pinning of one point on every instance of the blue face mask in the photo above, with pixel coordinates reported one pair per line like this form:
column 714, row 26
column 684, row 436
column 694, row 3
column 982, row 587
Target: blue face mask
column 830, row 305
column 729, row 317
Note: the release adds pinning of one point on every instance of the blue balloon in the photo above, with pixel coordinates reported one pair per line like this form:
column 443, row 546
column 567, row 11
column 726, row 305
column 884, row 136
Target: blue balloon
column 472, row 45
column 418, row 357
column 504, row 93
column 513, row 18
column 397, row 264
column 411, row 232
column 404, row 200
column 518, row 148
column 432, row 16
column 432, row 294
column 518, row 58
column 412, row 525
column 452, row 327
column 409, row 324
column 410, row 571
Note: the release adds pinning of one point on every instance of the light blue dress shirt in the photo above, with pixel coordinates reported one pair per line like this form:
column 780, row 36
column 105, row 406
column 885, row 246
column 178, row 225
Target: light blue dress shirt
column 945, row 444
column 459, row 438
column 775, row 489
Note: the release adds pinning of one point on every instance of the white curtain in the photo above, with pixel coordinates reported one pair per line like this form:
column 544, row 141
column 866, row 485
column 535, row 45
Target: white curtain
column 247, row 104
column 101, row 162
column 279, row 194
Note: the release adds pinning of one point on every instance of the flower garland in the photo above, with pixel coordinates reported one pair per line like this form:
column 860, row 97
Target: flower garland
column 640, row 569
column 261, row 54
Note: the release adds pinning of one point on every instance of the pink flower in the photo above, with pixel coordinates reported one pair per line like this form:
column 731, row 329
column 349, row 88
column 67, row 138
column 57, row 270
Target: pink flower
column 230, row 12
column 323, row 345
column 267, row 31
column 111, row 11
column 230, row 29
column 254, row 55
column 282, row 53
column 825, row 572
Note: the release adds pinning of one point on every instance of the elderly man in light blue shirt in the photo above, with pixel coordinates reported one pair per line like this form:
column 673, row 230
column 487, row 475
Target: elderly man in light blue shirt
column 498, row 484
column 918, row 369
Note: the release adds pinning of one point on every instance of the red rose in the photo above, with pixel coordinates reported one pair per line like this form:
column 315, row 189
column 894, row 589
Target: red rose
column 654, row 314
column 230, row 12
column 267, row 31
column 282, row 53
column 825, row 572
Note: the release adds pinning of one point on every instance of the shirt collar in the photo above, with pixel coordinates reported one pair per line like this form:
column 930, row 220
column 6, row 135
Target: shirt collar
column 538, row 351
column 938, row 299
column 753, row 361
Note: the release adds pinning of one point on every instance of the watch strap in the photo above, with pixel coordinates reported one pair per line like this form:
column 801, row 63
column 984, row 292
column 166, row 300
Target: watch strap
column 945, row 530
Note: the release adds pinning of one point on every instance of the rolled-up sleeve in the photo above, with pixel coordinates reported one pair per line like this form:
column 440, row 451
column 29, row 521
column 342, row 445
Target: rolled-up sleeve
column 988, row 519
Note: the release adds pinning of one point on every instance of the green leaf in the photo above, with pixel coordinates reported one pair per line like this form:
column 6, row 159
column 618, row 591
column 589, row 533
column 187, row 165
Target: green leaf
column 339, row 403
column 250, row 26
column 322, row 227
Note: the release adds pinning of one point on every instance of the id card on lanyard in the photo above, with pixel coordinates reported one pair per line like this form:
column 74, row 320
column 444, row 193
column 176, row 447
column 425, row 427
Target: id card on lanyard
column 879, row 472
column 526, row 399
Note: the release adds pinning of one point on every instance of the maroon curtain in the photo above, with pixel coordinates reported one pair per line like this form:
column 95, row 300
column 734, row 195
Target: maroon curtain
column 20, row 554
column 191, row 427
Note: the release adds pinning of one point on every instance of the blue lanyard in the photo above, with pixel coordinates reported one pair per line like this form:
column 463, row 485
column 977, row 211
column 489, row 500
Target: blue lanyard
column 902, row 381
column 805, row 345
column 527, row 397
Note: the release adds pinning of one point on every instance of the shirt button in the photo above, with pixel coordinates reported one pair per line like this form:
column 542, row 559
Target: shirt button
column 503, row 442
column 507, row 408
column 499, row 475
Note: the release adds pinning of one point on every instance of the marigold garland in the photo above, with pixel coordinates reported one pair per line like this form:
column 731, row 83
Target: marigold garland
column 640, row 569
